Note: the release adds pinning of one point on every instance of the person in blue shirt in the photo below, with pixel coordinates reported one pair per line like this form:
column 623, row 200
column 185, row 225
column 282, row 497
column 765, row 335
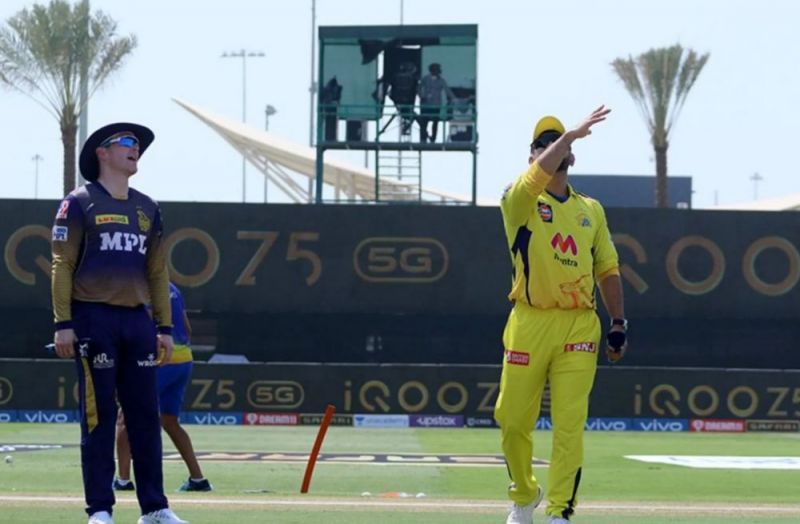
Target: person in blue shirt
column 173, row 378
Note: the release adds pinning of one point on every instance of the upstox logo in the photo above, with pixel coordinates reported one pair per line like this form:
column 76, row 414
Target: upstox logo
column 564, row 244
column 119, row 241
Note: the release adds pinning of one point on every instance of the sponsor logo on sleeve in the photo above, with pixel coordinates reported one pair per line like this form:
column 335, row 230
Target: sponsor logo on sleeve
column 111, row 219
column 60, row 233
column 545, row 212
column 582, row 347
column 717, row 425
column 63, row 210
column 517, row 358
column 583, row 220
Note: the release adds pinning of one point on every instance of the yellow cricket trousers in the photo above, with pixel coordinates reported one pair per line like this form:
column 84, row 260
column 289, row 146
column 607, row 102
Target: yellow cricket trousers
column 559, row 346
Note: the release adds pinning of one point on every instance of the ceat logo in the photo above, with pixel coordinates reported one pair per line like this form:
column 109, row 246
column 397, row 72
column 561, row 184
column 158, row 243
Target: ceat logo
column 564, row 244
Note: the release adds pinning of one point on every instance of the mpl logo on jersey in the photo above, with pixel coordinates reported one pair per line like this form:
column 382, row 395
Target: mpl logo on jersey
column 270, row 419
column 49, row 416
column 380, row 421
column 211, row 418
column 437, row 421
column 660, row 424
column 119, row 241
column 718, row 425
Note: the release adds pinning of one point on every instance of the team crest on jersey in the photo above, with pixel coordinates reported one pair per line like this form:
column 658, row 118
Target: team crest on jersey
column 545, row 212
column 583, row 220
column 63, row 210
column 144, row 222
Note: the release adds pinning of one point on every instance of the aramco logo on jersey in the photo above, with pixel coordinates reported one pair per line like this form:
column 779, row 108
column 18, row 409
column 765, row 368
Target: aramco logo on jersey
column 564, row 244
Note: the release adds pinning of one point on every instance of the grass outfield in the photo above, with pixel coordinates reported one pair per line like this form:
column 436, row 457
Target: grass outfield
column 45, row 486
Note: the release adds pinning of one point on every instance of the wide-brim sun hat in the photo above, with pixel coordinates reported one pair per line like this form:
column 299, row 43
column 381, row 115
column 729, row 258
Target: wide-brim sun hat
column 89, row 166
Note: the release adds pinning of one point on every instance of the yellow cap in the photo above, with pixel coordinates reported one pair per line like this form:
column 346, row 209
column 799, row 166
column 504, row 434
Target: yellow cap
column 547, row 123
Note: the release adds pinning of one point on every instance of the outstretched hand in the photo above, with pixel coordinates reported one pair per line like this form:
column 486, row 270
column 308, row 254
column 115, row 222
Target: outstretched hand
column 584, row 129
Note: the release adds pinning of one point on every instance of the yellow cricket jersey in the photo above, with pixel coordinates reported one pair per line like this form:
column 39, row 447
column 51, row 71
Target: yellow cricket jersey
column 558, row 249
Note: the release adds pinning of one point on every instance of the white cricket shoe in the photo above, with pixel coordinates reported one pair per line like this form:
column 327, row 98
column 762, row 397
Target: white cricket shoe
column 524, row 514
column 161, row 516
column 557, row 520
column 101, row 517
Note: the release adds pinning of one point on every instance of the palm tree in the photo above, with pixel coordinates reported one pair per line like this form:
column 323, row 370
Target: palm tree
column 46, row 51
column 659, row 80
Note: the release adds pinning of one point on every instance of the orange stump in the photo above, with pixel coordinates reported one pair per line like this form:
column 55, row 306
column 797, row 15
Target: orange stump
column 312, row 459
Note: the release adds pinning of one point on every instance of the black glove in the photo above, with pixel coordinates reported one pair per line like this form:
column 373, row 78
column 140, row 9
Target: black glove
column 617, row 344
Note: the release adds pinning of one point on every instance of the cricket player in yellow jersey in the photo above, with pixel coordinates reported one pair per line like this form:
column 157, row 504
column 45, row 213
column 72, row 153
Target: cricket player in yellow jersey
column 561, row 249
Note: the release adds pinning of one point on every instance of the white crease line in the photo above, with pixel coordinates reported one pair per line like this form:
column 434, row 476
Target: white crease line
column 640, row 507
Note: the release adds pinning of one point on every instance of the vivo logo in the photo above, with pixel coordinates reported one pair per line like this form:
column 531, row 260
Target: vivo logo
column 123, row 242
column 600, row 424
column 544, row 423
column 214, row 419
column 661, row 425
column 47, row 417
column 6, row 417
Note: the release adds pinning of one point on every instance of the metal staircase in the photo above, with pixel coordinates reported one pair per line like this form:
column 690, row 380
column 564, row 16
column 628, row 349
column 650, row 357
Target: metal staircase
column 398, row 176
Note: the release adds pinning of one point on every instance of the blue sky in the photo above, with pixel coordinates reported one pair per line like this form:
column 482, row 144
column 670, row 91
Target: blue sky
column 534, row 58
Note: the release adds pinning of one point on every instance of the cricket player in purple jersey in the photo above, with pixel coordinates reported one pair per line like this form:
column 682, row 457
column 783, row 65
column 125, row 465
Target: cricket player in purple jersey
column 108, row 264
